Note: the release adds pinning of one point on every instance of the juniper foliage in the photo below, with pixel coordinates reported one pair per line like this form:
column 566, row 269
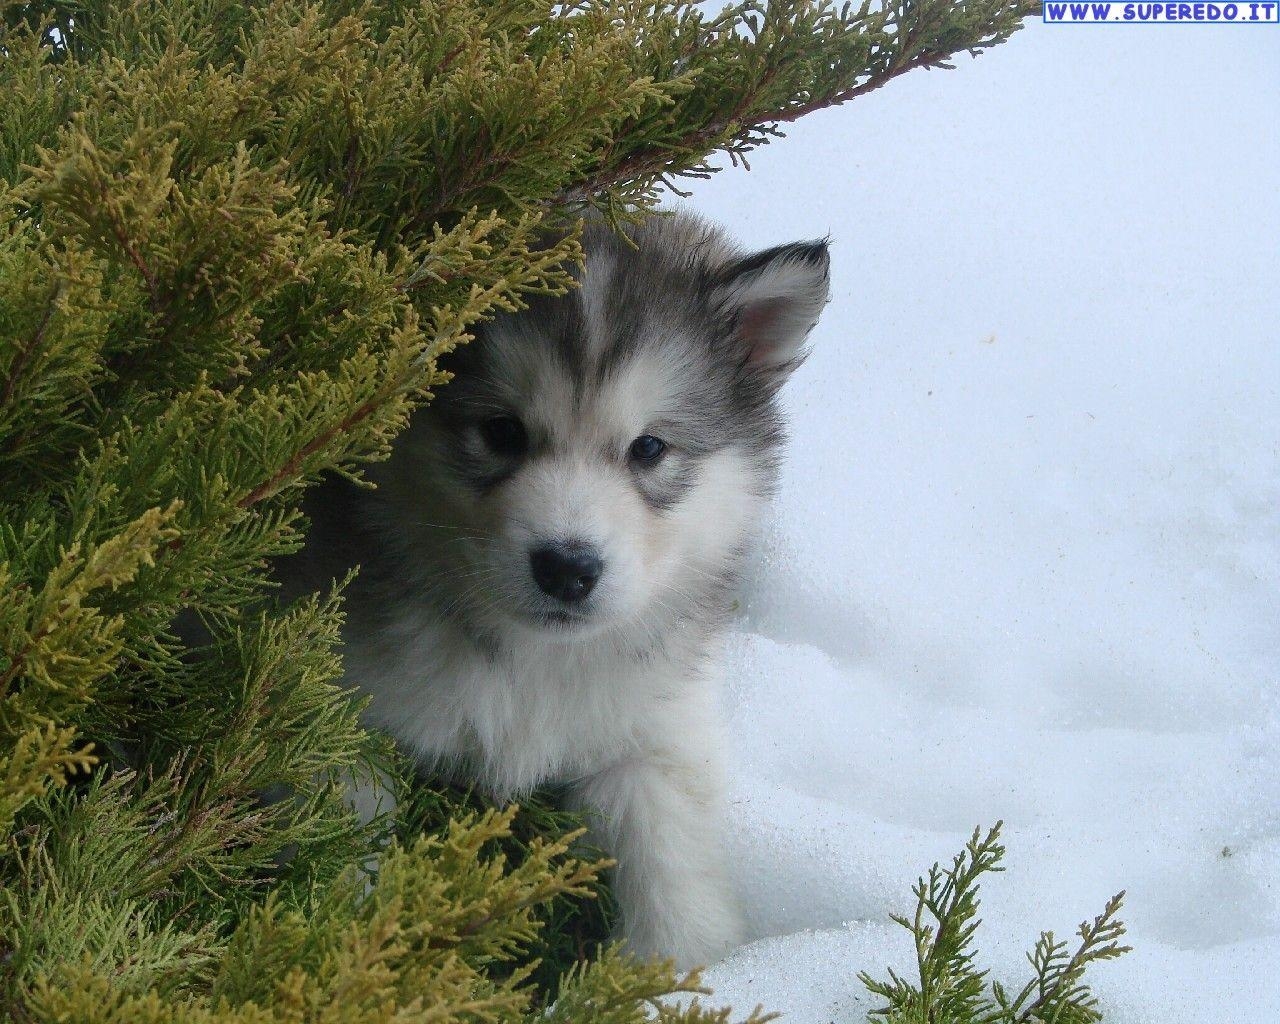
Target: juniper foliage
column 234, row 240
column 951, row 989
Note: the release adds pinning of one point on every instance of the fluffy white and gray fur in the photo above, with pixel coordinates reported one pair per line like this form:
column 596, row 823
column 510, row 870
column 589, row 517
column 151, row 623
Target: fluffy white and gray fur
column 550, row 553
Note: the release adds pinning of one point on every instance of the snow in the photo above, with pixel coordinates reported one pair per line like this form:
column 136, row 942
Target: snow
column 1025, row 563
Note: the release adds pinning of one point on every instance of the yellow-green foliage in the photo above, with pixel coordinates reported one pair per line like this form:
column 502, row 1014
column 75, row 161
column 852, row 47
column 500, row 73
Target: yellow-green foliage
column 413, row 951
column 234, row 239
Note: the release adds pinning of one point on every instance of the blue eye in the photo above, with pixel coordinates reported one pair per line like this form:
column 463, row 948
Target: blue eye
column 505, row 435
column 647, row 448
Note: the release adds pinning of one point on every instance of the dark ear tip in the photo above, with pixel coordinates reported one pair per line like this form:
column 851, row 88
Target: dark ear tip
column 816, row 251
column 810, row 254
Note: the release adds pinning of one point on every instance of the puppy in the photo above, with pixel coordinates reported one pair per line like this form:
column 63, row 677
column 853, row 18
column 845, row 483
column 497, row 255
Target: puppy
column 550, row 554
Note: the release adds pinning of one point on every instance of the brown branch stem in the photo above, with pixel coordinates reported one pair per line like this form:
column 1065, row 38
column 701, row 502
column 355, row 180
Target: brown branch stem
column 131, row 250
column 654, row 158
column 28, row 350
column 294, row 463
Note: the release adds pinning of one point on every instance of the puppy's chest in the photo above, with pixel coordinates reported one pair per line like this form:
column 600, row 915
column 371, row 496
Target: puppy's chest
column 555, row 713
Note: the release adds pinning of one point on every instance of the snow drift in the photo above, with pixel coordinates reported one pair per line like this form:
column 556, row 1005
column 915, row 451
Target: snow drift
column 1025, row 564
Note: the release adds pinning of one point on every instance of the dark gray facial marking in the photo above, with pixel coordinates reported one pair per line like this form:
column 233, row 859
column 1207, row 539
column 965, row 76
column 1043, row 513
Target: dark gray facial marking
column 658, row 295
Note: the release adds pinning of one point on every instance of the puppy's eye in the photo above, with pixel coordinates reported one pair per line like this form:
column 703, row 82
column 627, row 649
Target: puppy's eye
column 505, row 436
column 647, row 448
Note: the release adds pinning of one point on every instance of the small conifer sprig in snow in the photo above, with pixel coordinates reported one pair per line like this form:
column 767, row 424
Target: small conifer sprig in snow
column 951, row 989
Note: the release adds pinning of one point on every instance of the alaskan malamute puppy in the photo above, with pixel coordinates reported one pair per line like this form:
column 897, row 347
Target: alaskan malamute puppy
column 551, row 551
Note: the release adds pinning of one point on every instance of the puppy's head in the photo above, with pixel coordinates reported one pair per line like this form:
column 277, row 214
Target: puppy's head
column 598, row 460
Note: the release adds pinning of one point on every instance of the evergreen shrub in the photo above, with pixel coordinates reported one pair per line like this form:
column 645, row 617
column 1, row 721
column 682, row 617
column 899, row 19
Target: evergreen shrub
column 234, row 239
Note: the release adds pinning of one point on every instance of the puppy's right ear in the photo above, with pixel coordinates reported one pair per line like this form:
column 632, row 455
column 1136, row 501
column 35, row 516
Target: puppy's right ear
column 772, row 301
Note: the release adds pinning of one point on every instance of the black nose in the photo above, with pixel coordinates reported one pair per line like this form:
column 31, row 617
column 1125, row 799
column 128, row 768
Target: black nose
column 566, row 573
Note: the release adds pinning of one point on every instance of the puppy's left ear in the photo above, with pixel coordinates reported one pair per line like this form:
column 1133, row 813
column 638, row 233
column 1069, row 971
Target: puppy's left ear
column 772, row 300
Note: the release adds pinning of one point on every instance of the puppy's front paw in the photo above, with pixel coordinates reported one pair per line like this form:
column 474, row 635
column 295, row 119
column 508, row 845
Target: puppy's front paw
column 695, row 932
